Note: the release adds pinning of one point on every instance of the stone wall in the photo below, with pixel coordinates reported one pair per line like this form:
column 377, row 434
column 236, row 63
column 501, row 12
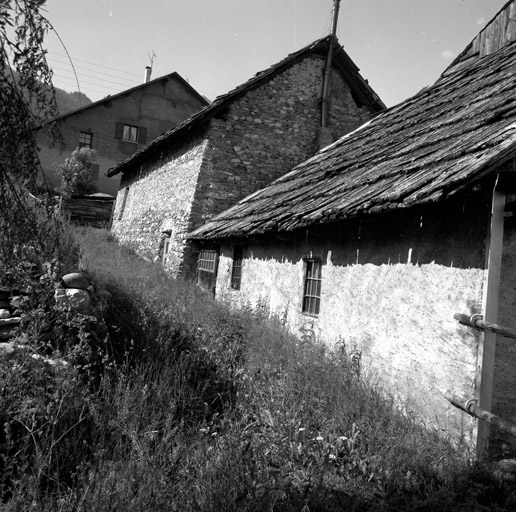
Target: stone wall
column 159, row 199
column 271, row 130
column 390, row 288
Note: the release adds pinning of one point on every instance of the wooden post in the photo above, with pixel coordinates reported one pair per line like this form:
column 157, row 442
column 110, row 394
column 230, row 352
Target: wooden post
column 487, row 340
column 474, row 410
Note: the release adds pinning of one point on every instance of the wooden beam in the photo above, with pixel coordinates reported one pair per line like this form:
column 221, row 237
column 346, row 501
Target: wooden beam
column 487, row 340
column 478, row 323
column 474, row 410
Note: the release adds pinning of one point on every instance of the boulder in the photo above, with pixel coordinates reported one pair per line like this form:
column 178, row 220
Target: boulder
column 75, row 298
column 75, row 280
column 5, row 313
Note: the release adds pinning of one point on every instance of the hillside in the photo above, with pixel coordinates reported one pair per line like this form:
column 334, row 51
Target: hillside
column 68, row 101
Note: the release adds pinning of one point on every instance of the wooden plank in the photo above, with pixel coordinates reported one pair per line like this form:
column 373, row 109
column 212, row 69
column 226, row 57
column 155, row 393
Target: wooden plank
column 474, row 410
column 481, row 325
column 487, row 341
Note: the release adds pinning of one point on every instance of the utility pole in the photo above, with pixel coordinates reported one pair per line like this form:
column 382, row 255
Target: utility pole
column 329, row 60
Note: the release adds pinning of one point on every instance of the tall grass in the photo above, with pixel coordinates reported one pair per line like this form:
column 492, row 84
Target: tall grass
column 203, row 408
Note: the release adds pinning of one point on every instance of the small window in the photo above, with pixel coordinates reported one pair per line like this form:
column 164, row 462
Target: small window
column 312, row 288
column 166, row 249
column 130, row 133
column 207, row 270
column 236, row 272
column 207, row 260
column 85, row 139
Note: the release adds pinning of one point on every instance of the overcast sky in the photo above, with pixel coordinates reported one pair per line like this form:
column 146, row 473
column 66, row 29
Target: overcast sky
column 400, row 46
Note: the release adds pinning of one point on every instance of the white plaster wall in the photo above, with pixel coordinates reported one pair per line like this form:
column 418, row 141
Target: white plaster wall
column 400, row 316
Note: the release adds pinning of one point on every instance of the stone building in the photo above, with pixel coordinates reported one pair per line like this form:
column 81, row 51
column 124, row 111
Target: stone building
column 240, row 143
column 380, row 238
column 119, row 125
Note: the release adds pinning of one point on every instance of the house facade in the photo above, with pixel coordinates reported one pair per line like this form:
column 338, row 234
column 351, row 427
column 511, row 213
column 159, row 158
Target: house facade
column 378, row 240
column 240, row 143
column 117, row 126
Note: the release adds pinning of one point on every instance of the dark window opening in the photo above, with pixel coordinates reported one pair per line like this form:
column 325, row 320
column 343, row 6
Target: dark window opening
column 312, row 287
column 166, row 250
column 85, row 139
column 236, row 271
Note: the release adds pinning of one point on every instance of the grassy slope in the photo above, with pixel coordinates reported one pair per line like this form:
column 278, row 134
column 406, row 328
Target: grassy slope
column 203, row 408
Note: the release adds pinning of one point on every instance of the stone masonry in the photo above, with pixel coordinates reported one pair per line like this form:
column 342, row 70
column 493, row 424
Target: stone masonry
column 259, row 137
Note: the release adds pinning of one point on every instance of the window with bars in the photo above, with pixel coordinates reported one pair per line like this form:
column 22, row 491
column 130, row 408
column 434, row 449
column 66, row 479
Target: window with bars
column 236, row 271
column 207, row 260
column 207, row 270
column 312, row 287
column 85, row 139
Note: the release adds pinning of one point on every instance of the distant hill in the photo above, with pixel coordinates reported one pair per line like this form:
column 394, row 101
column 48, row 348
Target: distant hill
column 68, row 101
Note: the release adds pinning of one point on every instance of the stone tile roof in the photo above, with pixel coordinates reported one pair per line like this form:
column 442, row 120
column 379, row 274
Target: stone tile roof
column 359, row 87
column 424, row 150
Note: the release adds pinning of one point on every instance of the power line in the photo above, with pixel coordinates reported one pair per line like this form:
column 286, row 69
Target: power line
column 131, row 80
column 99, row 65
column 96, row 78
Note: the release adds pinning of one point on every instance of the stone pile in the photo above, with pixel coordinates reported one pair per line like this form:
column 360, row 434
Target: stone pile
column 10, row 315
column 75, row 292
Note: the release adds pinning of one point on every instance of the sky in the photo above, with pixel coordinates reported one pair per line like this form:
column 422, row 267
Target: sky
column 400, row 46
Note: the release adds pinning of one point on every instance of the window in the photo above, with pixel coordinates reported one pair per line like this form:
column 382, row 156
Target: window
column 166, row 249
column 312, row 288
column 207, row 260
column 85, row 139
column 207, row 270
column 236, row 272
column 130, row 133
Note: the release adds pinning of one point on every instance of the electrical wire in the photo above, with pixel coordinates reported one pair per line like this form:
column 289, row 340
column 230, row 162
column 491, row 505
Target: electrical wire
column 130, row 80
column 98, row 65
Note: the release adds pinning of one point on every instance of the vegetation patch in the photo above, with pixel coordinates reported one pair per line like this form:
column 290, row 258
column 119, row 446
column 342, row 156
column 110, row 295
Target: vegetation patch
column 205, row 408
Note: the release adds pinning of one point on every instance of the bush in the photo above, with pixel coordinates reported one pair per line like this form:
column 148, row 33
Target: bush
column 77, row 174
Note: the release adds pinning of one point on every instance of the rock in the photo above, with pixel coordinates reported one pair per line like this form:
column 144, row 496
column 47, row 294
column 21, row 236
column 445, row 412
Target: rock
column 6, row 348
column 5, row 313
column 75, row 298
column 75, row 280
column 10, row 321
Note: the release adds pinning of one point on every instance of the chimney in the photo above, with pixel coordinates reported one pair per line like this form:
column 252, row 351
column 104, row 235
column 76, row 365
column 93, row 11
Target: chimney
column 148, row 71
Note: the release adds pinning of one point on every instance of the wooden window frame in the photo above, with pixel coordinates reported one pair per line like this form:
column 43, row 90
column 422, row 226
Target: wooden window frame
column 312, row 285
column 130, row 133
column 207, row 261
column 166, row 249
column 85, row 139
column 236, row 269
